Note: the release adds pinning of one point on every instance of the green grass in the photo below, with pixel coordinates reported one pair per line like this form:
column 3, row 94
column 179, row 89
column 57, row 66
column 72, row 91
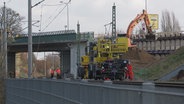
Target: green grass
column 162, row 67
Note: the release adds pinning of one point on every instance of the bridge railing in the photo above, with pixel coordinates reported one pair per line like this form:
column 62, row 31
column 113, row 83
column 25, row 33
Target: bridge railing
column 44, row 91
column 50, row 33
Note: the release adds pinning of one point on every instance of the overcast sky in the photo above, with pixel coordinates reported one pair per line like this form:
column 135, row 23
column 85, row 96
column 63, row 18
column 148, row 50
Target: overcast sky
column 92, row 14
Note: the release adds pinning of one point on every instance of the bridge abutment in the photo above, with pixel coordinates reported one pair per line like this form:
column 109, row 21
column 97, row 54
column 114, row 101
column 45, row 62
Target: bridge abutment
column 11, row 64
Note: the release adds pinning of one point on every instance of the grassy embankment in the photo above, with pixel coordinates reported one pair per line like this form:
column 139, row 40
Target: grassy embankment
column 163, row 66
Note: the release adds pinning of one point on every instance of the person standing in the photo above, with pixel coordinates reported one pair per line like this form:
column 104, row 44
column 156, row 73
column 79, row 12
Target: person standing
column 58, row 72
column 51, row 73
column 130, row 73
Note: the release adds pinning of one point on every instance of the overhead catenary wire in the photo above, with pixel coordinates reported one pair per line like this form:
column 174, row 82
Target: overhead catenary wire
column 33, row 24
column 37, row 3
column 41, row 14
column 55, row 17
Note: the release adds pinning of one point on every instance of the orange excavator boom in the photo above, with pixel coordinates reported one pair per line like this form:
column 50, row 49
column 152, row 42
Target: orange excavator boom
column 139, row 17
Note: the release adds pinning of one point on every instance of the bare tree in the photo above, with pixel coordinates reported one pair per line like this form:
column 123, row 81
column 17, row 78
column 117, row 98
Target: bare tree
column 169, row 23
column 14, row 20
column 176, row 25
column 53, row 61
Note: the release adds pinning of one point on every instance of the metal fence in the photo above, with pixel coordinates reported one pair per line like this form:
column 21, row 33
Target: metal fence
column 46, row 91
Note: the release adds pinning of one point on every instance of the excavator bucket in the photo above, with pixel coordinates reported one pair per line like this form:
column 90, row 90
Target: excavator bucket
column 151, row 37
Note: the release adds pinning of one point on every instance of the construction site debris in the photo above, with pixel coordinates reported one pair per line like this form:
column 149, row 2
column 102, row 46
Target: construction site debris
column 139, row 58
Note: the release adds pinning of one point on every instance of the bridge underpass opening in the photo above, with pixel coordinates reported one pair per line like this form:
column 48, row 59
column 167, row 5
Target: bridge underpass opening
column 42, row 63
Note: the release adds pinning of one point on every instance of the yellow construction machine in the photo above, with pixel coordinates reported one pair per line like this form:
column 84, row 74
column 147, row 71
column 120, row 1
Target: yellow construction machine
column 104, row 50
column 104, row 58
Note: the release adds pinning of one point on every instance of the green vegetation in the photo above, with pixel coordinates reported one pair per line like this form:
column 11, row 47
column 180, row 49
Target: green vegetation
column 162, row 67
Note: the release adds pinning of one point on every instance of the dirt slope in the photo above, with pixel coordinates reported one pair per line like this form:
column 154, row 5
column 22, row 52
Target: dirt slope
column 139, row 58
column 165, row 65
column 149, row 67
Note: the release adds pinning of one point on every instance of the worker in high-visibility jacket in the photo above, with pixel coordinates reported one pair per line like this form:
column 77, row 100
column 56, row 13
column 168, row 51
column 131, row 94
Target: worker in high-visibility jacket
column 58, row 72
column 129, row 73
column 51, row 73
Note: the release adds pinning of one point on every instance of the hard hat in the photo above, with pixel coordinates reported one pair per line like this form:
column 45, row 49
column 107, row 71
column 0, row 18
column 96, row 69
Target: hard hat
column 124, row 61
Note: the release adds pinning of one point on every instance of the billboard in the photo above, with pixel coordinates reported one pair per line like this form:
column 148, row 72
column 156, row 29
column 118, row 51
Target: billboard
column 153, row 18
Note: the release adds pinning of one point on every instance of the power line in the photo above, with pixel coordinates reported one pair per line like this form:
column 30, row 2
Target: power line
column 33, row 24
column 54, row 18
column 41, row 15
column 37, row 3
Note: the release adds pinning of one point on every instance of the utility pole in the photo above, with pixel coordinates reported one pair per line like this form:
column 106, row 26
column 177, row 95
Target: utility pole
column 78, row 47
column 4, row 43
column 67, row 12
column 2, row 33
column 146, row 5
column 45, row 65
column 30, row 53
column 67, row 16
column 114, row 21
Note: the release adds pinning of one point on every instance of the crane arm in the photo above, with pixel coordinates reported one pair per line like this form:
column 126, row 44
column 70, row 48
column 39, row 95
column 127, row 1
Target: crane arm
column 143, row 16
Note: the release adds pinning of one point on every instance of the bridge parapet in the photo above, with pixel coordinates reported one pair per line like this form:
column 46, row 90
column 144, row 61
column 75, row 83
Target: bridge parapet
column 163, row 45
column 48, row 37
column 51, row 33
column 54, row 37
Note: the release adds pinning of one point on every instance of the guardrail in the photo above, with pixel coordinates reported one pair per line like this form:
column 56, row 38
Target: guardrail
column 47, row 91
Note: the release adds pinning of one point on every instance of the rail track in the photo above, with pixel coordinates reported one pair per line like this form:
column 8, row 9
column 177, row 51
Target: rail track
column 159, row 84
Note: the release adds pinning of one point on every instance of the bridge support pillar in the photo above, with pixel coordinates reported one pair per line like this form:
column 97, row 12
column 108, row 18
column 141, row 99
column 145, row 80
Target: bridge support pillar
column 75, row 55
column 146, row 45
column 65, row 61
column 150, row 45
column 155, row 45
column 175, row 42
column 11, row 65
column 160, row 44
column 170, row 43
column 180, row 40
column 142, row 45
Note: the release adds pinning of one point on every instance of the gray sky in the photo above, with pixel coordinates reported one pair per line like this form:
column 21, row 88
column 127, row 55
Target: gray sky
column 93, row 14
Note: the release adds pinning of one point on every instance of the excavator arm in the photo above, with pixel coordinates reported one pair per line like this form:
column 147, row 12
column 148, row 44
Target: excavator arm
column 143, row 16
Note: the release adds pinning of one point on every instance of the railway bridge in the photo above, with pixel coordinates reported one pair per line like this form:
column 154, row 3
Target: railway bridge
column 64, row 42
column 163, row 45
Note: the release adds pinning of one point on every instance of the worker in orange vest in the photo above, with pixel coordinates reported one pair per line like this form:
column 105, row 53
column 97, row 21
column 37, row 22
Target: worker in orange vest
column 58, row 71
column 51, row 73
column 129, row 73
